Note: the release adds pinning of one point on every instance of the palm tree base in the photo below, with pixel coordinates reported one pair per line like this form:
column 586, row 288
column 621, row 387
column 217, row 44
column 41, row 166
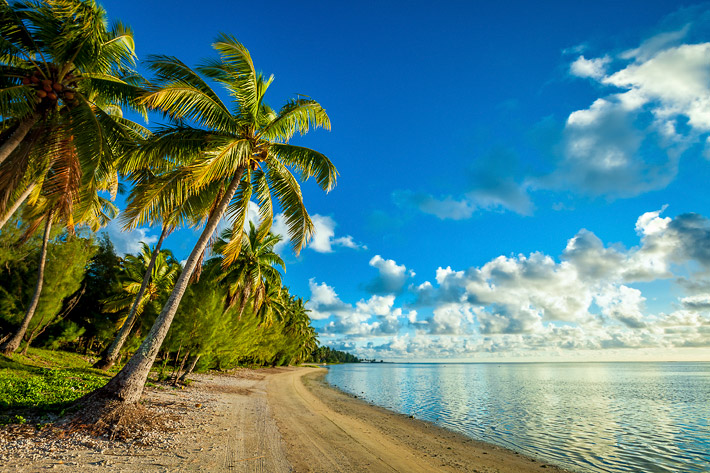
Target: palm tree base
column 100, row 414
column 104, row 364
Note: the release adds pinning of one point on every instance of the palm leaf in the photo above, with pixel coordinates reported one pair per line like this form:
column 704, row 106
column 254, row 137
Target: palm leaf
column 288, row 193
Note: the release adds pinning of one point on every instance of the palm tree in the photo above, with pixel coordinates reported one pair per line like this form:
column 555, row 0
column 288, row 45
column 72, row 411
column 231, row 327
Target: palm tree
column 166, row 199
column 244, row 150
column 162, row 269
column 63, row 77
column 298, row 327
column 253, row 270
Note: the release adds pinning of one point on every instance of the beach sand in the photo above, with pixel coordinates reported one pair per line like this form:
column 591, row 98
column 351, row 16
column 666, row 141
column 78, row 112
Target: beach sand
column 271, row 421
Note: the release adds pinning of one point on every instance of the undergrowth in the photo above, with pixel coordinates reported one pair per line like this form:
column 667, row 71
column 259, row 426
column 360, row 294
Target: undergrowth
column 44, row 382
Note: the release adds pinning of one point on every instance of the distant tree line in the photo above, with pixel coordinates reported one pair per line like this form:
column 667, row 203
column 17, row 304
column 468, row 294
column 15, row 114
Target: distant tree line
column 325, row 354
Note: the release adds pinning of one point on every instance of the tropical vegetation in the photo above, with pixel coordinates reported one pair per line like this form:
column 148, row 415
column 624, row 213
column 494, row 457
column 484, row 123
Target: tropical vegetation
column 66, row 79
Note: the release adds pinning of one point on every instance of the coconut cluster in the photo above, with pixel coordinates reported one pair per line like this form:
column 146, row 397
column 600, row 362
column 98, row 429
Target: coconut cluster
column 49, row 89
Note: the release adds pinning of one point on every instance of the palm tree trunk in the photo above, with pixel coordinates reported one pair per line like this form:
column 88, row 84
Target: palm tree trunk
column 179, row 370
column 16, row 205
column 39, row 329
column 190, row 369
column 14, row 343
column 14, row 140
column 127, row 385
column 109, row 357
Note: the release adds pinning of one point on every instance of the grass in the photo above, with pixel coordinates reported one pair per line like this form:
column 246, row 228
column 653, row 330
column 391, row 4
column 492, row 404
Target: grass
column 44, row 382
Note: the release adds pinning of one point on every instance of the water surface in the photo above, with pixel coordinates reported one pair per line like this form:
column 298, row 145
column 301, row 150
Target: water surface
column 587, row 417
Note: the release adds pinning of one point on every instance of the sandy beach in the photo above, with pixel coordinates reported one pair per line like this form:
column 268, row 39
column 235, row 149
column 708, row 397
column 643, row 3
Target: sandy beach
column 272, row 421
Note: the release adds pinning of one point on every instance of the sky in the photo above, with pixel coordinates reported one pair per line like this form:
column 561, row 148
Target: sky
column 518, row 180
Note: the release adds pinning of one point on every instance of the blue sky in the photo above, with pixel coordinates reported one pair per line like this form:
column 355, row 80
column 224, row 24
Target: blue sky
column 517, row 180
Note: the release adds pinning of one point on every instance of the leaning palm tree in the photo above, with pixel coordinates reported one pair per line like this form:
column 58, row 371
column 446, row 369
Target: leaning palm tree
column 166, row 199
column 163, row 269
column 62, row 71
column 244, row 150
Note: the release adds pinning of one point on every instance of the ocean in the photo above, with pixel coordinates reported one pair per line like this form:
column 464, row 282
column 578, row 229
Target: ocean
column 586, row 417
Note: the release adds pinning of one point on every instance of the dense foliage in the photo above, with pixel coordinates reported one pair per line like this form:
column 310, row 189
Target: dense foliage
column 87, row 297
column 66, row 79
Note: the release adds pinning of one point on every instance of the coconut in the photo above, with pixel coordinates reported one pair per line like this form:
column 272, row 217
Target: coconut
column 57, row 86
column 41, row 94
column 47, row 82
column 34, row 79
column 25, row 81
column 52, row 96
column 69, row 95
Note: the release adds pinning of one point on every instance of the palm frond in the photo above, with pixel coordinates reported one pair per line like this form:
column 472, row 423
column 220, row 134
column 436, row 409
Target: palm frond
column 297, row 116
column 309, row 163
column 288, row 193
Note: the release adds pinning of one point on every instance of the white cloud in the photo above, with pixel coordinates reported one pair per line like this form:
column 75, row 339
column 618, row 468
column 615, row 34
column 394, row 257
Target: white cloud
column 675, row 81
column 622, row 303
column 650, row 222
column 323, row 240
column 371, row 317
column 374, row 317
column 348, row 242
column 324, row 231
column 586, row 301
column 594, row 68
column 128, row 242
column 324, row 302
column 391, row 278
column 659, row 97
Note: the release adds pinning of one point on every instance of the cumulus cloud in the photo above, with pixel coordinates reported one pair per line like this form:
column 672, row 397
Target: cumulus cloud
column 587, row 299
column 373, row 317
column 128, row 242
column 629, row 141
column 324, row 240
column 391, row 278
column 602, row 154
column 324, row 301
column 594, row 68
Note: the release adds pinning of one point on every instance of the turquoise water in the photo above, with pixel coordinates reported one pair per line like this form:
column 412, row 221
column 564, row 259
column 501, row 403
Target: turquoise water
column 587, row 417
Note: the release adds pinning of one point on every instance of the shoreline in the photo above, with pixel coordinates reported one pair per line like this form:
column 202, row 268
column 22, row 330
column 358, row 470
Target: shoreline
column 269, row 420
column 379, row 439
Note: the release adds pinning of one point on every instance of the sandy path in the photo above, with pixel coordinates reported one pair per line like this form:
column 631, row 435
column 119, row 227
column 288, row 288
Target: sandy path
column 328, row 431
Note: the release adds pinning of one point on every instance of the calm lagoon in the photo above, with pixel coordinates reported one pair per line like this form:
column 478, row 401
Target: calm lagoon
column 587, row 417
